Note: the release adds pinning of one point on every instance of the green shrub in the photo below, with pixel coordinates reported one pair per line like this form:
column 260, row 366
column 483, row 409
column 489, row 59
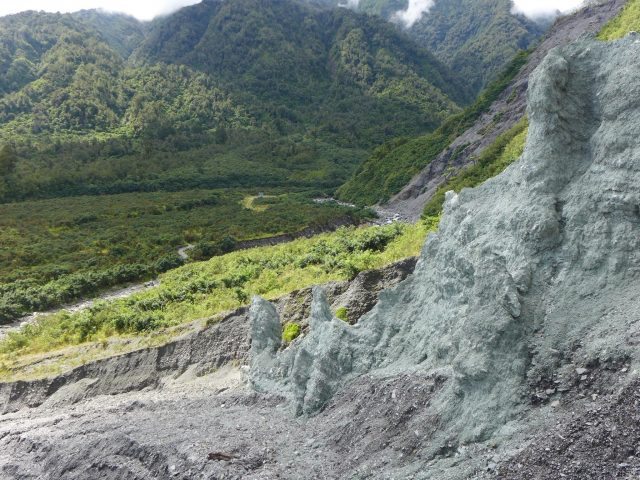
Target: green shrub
column 54, row 252
column 291, row 331
column 200, row 290
column 168, row 262
column 343, row 314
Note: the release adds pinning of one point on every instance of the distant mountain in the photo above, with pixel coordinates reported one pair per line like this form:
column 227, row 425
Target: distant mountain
column 475, row 38
column 77, row 90
column 122, row 32
column 293, row 57
column 67, row 74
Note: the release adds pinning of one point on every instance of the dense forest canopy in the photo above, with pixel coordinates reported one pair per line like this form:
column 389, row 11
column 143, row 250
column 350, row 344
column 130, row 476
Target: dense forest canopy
column 96, row 103
column 475, row 38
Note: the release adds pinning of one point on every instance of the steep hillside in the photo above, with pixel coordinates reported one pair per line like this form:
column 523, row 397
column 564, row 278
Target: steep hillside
column 475, row 38
column 627, row 21
column 290, row 56
column 528, row 286
column 408, row 173
column 301, row 92
column 392, row 165
column 510, row 352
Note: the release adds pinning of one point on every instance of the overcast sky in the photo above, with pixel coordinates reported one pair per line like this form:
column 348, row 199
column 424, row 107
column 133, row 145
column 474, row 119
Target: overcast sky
column 142, row 9
column 148, row 9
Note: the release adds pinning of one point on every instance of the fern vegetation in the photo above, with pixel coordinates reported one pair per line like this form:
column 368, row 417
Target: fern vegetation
column 506, row 149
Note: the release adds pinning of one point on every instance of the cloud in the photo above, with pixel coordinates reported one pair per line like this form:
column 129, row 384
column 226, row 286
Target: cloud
column 414, row 12
column 141, row 9
column 542, row 8
column 148, row 9
column 530, row 8
column 349, row 4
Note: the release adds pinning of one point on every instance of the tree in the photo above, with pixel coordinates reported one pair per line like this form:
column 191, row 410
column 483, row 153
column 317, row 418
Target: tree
column 221, row 135
column 8, row 160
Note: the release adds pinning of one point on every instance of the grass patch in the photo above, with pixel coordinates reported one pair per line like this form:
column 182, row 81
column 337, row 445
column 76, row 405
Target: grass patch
column 203, row 289
column 342, row 313
column 249, row 202
column 627, row 21
column 291, row 331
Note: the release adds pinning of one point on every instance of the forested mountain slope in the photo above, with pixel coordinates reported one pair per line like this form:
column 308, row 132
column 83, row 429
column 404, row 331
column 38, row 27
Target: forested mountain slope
column 122, row 32
column 295, row 88
column 475, row 38
column 296, row 59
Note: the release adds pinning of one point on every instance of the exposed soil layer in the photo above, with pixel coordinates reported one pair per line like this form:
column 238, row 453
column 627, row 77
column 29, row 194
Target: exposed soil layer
column 199, row 351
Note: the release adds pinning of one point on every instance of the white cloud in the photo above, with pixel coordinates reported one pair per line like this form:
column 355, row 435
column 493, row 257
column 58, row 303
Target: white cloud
column 148, row 9
column 530, row 8
column 142, row 9
column 538, row 8
column 349, row 3
column 414, row 12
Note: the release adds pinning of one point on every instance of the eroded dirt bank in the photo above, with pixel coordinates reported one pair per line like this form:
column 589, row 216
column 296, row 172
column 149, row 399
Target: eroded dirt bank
column 199, row 351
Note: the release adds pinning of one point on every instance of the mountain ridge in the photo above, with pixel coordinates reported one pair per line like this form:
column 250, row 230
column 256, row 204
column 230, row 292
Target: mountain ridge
column 347, row 82
column 476, row 38
column 406, row 175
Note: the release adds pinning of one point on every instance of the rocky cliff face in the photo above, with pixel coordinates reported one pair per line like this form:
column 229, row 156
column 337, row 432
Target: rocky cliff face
column 519, row 325
column 533, row 275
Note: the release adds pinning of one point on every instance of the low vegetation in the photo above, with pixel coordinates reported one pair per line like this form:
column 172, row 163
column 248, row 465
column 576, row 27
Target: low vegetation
column 291, row 331
column 342, row 313
column 627, row 21
column 506, row 149
column 203, row 289
column 56, row 251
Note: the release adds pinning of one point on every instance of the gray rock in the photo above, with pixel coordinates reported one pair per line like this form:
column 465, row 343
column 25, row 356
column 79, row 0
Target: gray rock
column 568, row 213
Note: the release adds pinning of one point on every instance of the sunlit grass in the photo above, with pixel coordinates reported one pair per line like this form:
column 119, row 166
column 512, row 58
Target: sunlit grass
column 204, row 289
column 627, row 21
